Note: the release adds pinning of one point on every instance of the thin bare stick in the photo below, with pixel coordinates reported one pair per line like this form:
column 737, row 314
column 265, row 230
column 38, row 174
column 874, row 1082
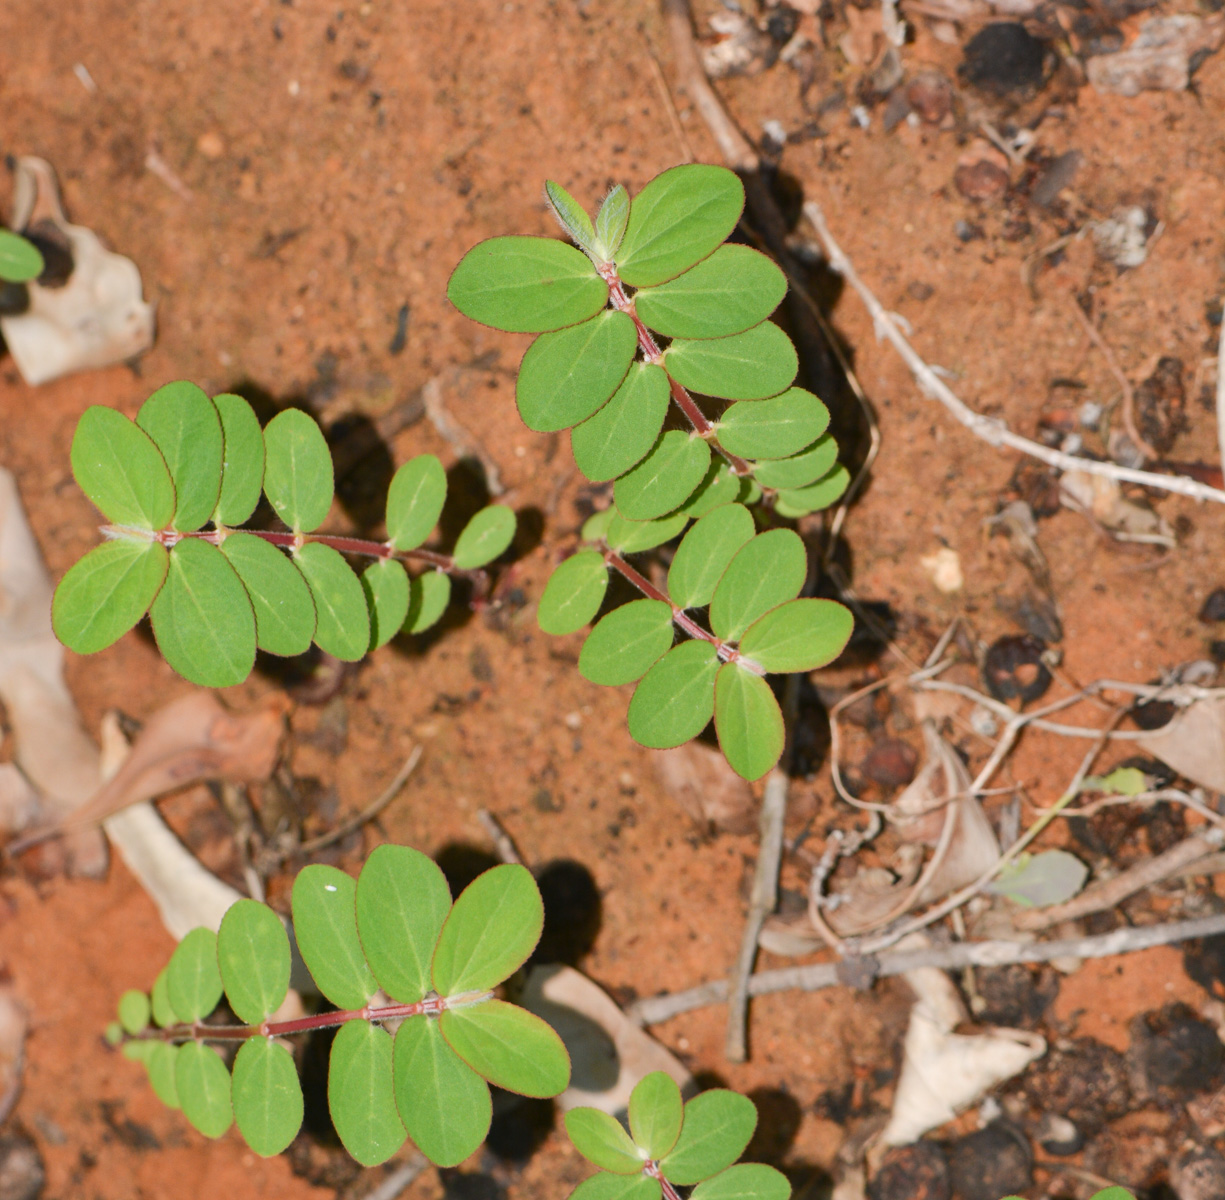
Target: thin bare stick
column 1129, row 393
column 764, row 897
column 990, row 429
column 674, row 118
column 955, row 957
column 503, row 843
column 394, row 1185
column 370, row 812
column 1105, row 895
column 1220, row 394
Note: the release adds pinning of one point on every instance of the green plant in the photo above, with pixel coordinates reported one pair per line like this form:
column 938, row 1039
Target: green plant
column 672, row 1144
column 394, row 929
column 20, row 259
column 652, row 306
column 177, row 482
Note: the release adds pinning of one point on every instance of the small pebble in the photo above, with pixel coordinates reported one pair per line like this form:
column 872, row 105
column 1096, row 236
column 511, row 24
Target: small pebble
column 210, row 144
column 991, row 1163
column 930, row 95
column 1004, row 57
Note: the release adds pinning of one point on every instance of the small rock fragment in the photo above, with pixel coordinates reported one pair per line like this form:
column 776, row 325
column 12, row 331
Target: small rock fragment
column 21, row 1169
column 210, row 144
column 931, row 96
column 1013, row 669
column 1004, row 58
column 891, row 763
column 1082, row 1080
column 1058, row 1136
column 944, row 570
column 1161, row 404
column 1199, row 1174
column 915, row 1172
column 982, row 173
column 1123, row 238
column 991, row 1163
column 1160, row 59
column 1058, row 174
column 1173, row 1050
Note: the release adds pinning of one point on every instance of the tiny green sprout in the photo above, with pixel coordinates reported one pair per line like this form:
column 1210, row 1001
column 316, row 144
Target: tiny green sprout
column 656, row 352
column 177, row 484
column 393, row 934
column 20, row 260
column 672, row 1144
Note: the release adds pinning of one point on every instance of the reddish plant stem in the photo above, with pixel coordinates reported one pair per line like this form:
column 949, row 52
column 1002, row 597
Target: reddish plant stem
column 292, row 541
column 652, row 1169
column 197, row 1030
column 725, row 650
column 622, row 302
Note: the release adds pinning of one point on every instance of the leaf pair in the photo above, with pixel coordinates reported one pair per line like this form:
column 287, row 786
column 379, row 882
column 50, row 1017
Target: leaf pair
column 693, row 1143
column 188, row 461
column 394, row 929
column 750, row 583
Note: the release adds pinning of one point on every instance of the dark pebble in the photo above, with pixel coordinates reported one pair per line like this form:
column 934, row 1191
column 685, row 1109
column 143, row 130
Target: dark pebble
column 21, row 1169
column 1013, row 669
column 1175, row 1050
column 1084, row 1081
column 1004, row 58
column 915, row 1172
column 1058, row 1136
column 1016, row 996
column 931, row 96
column 891, row 763
column 1199, row 1174
column 990, row 1163
column 1213, row 609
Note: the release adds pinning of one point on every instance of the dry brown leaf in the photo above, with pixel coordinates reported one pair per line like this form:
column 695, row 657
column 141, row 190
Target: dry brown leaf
column 190, row 740
column 1193, row 743
column 608, row 1052
column 698, row 778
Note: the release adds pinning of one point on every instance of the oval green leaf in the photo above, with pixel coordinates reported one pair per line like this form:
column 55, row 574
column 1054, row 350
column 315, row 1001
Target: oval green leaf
column 284, row 609
column 20, row 260
column 816, row 496
column 744, row 1181
column 624, row 430
column 361, row 1095
column 254, row 958
column 773, row 428
column 159, row 997
column 717, row 1127
column 193, row 979
column 242, row 468
column 753, row 365
column 203, row 1084
column 185, row 427
column 610, row 222
column 134, row 1011
column 678, row 219
column 656, row 1111
column 402, row 902
column 800, row 635
column 801, row 469
column 665, row 479
column 325, row 924
column 203, row 619
column 297, row 470
column 705, row 552
column 267, row 1096
column 568, row 375
column 160, row 1059
column 632, row 537
column 385, row 583
column 573, row 217
column 748, row 721
column 444, row 1104
column 596, row 525
column 766, row 572
column 106, row 593
column 676, row 698
column 574, row 593
column 492, row 928
column 511, row 1047
column 602, row 1140
column 718, row 488
column 526, row 285
column 731, row 291
column 118, row 467
column 342, row 621
column 414, row 501
column 428, row 597
column 604, row 1186
column 627, row 643
column 486, row 536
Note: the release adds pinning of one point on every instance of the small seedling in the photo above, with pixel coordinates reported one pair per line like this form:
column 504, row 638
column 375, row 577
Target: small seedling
column 175, row 485
column 20, row 260
column 393, row 933
column 671, row 1144
column 653, row 307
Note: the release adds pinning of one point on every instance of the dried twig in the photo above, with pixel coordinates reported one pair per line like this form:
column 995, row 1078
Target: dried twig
column 954, row 957
column 1129, row 393
column 367, row 814
column 1220, row 394
column 765, row 886
column 665, row 93
column 991, row 430
column 503, row 843
column 395, row 1184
